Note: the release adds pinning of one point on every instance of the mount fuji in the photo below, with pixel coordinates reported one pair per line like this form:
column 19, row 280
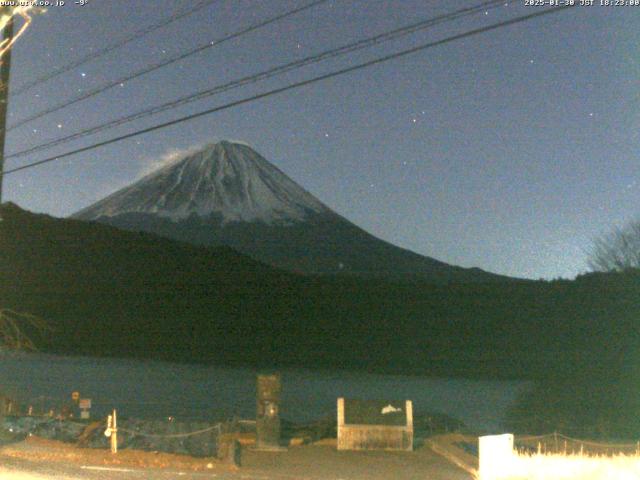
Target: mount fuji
column 228, row 194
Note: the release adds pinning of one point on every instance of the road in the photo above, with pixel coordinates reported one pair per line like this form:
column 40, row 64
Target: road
column 306, row 462
column 367, row 467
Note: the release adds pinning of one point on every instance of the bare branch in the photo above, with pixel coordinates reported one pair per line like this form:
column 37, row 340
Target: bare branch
column 617, row 251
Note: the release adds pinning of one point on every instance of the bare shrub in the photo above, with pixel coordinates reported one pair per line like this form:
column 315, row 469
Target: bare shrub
column 617, row 251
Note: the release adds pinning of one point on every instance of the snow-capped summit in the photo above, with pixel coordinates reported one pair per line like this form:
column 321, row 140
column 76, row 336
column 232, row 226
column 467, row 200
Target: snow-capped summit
column 226, row 179
column 227, row 194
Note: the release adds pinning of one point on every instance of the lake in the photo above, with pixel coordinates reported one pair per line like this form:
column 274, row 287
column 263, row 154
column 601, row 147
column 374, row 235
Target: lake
column 151, row 389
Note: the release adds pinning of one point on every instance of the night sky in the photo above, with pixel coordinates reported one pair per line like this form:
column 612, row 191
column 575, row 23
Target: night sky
column 509, row 151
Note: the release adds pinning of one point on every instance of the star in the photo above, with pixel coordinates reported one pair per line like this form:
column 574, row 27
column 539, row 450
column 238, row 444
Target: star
column 59, row 125
column 83, row 74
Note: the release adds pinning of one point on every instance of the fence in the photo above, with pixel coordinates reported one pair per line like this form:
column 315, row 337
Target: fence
column 43, row 405
column 199, row 439
column 58, row 419
column 161, row 418
column 562, row 444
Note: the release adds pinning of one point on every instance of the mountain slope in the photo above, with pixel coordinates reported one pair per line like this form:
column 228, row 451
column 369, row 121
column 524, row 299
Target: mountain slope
column 227, row 194
column 111, row 292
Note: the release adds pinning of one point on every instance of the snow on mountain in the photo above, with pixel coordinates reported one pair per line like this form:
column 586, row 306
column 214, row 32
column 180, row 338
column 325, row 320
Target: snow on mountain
column 227, row 194
column 226, row 178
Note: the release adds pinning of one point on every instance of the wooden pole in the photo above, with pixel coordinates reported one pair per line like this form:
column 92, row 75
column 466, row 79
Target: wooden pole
column 114, row 433
column 340, row 431
column 409, row 411
column 5, row 73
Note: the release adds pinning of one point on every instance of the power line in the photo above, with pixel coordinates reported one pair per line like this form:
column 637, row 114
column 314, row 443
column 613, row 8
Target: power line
column 386, row 58
column 164, row 63
column 110, row 48
column 279, row 70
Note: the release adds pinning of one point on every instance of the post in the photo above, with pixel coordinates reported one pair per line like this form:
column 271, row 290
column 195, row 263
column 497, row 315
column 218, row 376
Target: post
column 5, row 71
column 114, row 433
column 409, row 410
column 340, row 431
column 268, row 414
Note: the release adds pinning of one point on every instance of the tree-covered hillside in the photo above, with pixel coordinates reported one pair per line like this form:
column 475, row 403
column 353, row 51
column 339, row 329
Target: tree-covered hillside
column 111, row 292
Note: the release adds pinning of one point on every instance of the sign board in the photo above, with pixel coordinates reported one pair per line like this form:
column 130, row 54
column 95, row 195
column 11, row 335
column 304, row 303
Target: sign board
column 84, row 414
column 375, row 424
column 374, row 412
column 85, row 403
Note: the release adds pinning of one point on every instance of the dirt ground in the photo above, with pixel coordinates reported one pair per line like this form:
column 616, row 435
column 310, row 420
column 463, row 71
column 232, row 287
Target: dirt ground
column 319, row 461
column 42, row 450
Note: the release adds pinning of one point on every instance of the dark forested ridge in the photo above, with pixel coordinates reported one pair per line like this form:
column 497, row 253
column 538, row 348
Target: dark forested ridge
column 324, row 244
column 118, row 293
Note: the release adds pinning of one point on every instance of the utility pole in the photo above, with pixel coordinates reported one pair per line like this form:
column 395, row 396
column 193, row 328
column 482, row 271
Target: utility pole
column 5, row 70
